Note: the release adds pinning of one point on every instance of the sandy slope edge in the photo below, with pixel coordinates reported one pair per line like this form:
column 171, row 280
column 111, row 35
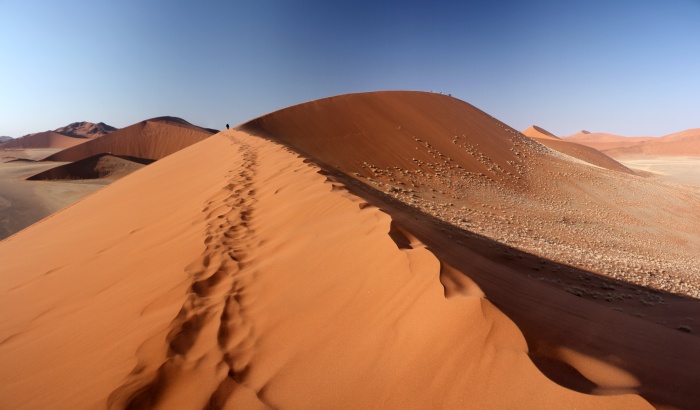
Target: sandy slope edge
column 247, row 279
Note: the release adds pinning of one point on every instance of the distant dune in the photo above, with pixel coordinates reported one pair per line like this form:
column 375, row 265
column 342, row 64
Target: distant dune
column 64, row 137
column 582, row 152
column 86, row 129
column 151, row 139
column 47, row 139
column 603, row 142
column 539, row 133
column 685, row 143
column 5, row 139
column 375, row 250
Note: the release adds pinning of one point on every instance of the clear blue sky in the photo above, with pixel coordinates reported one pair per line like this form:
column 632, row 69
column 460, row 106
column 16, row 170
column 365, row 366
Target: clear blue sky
column 630, row 67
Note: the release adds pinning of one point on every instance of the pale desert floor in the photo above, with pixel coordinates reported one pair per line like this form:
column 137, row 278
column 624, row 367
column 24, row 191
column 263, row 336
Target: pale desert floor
column 22, row 202
column 684, row 170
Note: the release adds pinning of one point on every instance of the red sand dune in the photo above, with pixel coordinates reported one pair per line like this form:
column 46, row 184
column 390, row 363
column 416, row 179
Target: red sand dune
column 603, row 142
column 152, row 139
column 539, row 133
column 378, row 130
column 64, row 137
column 250, row 282
column 684, row 143
column 582, row 152
column 450, row 160
column 47, row 139
column 236, row 273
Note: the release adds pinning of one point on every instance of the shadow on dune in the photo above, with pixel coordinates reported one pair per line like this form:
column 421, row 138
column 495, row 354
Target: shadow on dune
column 637, row 342
column 622, row 345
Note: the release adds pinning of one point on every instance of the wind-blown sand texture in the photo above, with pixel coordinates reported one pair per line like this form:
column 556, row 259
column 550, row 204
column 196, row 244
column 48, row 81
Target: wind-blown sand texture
column 373, row 265
column 150, row 140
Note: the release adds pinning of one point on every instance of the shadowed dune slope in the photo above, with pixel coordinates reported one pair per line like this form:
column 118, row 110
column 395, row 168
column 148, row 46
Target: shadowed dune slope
column 232, row 274
column 101, row 166
column 582, row 152
column 47, row 139
column 151, row 139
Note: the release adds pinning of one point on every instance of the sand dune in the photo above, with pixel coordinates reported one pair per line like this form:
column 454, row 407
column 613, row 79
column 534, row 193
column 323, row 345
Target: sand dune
column 378, row 250
column 101, row 166
column 553, row 206
column 47, row 139
column 217, row 307
column 539, row 133
column 582, row 152
column 64, row 137
column 152, row 139
column 603, row 142
column 685, row 143
column 407, row 129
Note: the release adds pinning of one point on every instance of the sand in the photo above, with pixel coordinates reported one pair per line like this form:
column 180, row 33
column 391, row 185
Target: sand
column 213, row 319
column 23, row 202
column 680, row 169
column 48, row 139
column 381, row 250
column 34, row 190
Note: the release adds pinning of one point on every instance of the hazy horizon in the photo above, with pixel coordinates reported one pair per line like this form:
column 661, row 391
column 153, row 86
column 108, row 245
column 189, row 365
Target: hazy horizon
column 628, row 68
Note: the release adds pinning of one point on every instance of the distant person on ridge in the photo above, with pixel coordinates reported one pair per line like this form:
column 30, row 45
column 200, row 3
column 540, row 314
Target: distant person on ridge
column 226, row 126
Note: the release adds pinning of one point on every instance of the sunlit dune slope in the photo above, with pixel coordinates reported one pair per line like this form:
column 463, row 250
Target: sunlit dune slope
column 582, row 152
column 539, row 133
column 151, row 139
column 232, row 274
column 48, row 139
